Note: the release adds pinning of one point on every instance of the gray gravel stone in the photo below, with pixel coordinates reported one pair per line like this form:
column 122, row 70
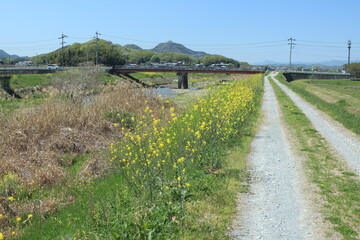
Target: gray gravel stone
column 275, row 208
column 345, row 142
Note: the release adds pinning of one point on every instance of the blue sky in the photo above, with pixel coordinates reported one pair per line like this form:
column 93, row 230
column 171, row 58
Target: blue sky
column 251, row 30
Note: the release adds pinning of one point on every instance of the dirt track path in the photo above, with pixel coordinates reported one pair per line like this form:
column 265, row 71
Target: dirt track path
column 345, row 142
column 275, row 208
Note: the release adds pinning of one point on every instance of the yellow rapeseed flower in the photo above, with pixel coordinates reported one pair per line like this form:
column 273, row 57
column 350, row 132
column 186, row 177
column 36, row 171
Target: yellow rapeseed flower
column 18, row 219
column 1, row 236
column 11, row 198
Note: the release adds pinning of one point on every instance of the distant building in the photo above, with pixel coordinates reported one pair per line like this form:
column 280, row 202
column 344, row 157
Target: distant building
column 24, row 63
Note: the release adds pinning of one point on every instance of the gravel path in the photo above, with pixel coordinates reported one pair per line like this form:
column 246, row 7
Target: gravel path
column 275, row 209
column 345, row 142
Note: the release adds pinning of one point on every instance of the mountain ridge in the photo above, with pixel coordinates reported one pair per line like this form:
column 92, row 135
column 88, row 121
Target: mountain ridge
column 173, row 47
column 4, row 54
column 329, row 63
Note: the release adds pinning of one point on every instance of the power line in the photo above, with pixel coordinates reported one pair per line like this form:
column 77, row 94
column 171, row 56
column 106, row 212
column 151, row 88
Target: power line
column 62, row 47
column 238, row 44
column 97, row 47
column 291, row 43
column 202, row 45
column 320, row 42
column 308, row 45
column 10, row 43
column 349, row 47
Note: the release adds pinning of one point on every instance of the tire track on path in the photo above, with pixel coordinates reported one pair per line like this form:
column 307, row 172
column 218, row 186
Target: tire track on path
column 345, row 142
column 275, row 209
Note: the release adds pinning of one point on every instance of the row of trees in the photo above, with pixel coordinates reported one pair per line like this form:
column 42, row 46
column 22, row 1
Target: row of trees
column 113, row 54
column 353, row 68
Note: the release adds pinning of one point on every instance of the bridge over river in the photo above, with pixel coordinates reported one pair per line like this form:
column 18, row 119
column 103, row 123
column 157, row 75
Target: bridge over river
column 182, row 71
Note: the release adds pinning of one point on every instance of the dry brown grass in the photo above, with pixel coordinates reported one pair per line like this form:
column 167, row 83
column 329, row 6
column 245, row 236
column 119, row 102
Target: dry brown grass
column 37, row 143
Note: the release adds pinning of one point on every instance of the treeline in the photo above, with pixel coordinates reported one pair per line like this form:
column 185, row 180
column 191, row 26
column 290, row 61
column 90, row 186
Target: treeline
column 353, row 68
column 114, row 54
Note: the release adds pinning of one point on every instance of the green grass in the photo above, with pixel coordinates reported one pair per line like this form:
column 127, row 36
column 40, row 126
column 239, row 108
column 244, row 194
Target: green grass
column 337, row 82
column 9, row 105
column 30, row 80
column 144, row 75
column 212, row 215
column 210, row 204
column 338, row 111
column 107, row 78
column 338, row 186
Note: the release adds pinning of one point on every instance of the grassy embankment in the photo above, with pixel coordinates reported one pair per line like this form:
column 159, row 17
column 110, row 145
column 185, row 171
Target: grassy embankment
column 335, row 97
column 338, row 186
column 49, row 146
column 105, row 207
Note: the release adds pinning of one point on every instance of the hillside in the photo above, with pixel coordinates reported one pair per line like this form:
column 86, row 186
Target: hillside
column 80, row 54
column 172, row 47
column 4, row 54
column 132, row 46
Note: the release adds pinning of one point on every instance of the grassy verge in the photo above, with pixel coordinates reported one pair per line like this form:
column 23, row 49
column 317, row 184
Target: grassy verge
column 337, row 111
column 183, row 188
column 338, row 186
column 212, row 211
column 344, row 92
column 30, row 80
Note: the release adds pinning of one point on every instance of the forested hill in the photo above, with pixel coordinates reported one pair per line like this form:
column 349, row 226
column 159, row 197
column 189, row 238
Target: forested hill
column 177, row 48
column 114, row 54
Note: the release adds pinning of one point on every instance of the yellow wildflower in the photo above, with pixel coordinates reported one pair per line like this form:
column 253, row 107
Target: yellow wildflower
column 11, row 199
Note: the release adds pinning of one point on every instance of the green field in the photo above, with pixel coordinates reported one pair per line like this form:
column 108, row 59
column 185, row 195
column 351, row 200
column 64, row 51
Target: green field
column 344, row 92
column 338, row 98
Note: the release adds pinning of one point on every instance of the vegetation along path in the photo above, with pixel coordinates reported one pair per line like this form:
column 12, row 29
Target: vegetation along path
column 344, row 141
column 275, row 209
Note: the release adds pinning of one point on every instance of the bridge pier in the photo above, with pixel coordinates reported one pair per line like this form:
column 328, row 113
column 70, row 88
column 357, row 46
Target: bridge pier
column 183, row 80
column 5, row 84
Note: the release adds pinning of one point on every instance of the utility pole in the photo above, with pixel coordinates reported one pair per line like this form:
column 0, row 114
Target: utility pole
column 291, row 43
column 62, row 47
column 349, row 47
column 97, row 47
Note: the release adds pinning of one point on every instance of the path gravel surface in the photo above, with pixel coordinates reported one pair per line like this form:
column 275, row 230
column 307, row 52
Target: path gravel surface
column 275, row 208
column 345, row 142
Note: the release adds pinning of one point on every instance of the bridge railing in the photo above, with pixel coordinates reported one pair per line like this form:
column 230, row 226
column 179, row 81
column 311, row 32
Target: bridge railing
column 183, row 68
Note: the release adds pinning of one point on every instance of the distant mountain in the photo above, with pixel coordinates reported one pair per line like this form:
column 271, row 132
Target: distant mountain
column 172, row 47
column 4, row 54
column 269, row 62
column 132, row 46
column 329, row 63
